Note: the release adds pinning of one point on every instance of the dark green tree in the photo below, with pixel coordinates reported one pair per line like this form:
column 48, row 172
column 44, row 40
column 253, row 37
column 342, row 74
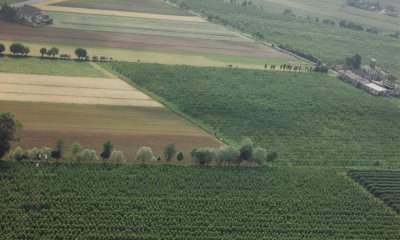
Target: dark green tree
column 81, row 53
column 43, row 51
column 107, row 150
column 246, row 150
column 8, row 128
column 2, row 49
column 53, row 51
column 180, row 156
column 17, row 48
column 8, row 12
column 169, row 152
column 58, row 150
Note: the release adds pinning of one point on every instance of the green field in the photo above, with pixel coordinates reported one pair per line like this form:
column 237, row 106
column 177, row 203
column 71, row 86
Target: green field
column 143, row 6
column 105, row 23
column 94, row 201
column 382, row 184
column 48, row 67
column 308, row 118
column 332, row 44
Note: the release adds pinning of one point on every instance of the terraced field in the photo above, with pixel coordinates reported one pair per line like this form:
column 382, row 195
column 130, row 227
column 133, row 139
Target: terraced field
column 384, row 185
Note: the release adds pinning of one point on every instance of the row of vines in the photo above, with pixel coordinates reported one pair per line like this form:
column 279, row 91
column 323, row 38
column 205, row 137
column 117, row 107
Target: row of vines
column 101, row 201
column 382, row 184
column 310, row 119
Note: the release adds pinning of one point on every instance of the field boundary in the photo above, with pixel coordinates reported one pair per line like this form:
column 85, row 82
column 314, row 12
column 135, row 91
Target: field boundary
column 172, row 107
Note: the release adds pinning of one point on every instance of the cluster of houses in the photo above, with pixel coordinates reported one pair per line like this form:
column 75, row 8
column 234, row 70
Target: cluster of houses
column 32, row 16
column 372, row 79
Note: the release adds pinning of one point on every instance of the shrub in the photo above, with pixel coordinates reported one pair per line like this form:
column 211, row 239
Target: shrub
column 144, row 154
column 117, row 156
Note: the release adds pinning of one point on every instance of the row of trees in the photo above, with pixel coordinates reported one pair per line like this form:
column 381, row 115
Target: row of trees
column 81, row 53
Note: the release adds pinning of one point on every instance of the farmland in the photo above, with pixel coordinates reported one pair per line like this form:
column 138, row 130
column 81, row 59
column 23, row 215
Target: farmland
column 310, row 119
column 142, row 6
column 335, row 10
column 49, row 67
column 172, row 58
column 382, row 184
column 143, row 26
column 331, row 44
column 129, row 128
column 79, row 90
column 93, row 201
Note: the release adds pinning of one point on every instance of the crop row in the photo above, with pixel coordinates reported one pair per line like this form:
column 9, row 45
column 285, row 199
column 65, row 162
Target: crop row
column 90, row 201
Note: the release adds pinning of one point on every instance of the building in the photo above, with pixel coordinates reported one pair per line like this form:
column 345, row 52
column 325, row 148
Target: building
column 372, row 79
column 32, row 15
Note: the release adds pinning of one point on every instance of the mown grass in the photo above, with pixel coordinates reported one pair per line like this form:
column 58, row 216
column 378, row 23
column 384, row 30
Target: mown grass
column 310, row 119
column 142, row 6
column 33, row 65
column 329, row 43
column 103, row 201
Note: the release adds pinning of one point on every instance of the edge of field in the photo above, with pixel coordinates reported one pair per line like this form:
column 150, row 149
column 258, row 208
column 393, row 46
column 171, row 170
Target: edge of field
column 169, row 105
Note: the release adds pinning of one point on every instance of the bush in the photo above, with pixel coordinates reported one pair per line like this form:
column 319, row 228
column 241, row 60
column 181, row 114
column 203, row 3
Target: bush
column 227, row 155
column 204, row 156
column 144, row 154
column 19, row 154
column 87, row 155
column 117, row 156
column 259, row 156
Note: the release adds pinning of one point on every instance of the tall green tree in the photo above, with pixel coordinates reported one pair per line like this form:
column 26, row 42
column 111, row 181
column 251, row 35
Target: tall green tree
column 169, row 152
column 2, row 48
column 144, row 154
column 17, row 48
column 81, row 53
column 53, row 51
column 246, row 150
column 107, row 150
column 8, row 128
column 43, row 51
column 58, row 150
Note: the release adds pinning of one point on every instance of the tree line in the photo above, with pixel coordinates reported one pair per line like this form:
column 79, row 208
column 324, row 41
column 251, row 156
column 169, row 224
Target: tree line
column 19, row 49
column 224, row 155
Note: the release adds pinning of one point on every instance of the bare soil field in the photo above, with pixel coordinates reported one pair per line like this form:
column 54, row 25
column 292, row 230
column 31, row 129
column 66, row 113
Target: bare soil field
column 78, row 90
column 129, row 128
column 12, row 31
column 47, row 6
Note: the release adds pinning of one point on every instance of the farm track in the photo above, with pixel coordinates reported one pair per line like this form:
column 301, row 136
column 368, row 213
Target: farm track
column 14, row 32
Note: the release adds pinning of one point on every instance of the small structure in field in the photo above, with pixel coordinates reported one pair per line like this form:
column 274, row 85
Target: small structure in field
column 372, row 79
column 33, row 16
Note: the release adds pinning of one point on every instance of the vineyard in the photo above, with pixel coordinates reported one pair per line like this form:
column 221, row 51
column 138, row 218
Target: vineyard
column 382, row 184
column 309, row 119
column 95, row 201
column 331, row 44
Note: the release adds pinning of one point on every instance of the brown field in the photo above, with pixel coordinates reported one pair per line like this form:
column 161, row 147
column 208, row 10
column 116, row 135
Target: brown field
column 45, row 6
column 17, row 32
column 80, row 90
column 129, row 128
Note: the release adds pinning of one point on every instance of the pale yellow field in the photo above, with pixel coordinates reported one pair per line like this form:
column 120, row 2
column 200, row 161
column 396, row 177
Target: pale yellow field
column 78, row 90
column 46, row 7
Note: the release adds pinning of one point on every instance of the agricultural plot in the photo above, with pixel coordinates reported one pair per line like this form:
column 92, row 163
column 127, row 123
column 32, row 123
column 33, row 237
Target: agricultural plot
column 94, row 201
column 309, row 119
column 45, row 6
column 48, row 67
column 129, row 128
column 174, row 28
column 142, row 6
column 384, row 185
column 334, row 10
column 171, row 58
column 331, row 44
column 79, row 90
